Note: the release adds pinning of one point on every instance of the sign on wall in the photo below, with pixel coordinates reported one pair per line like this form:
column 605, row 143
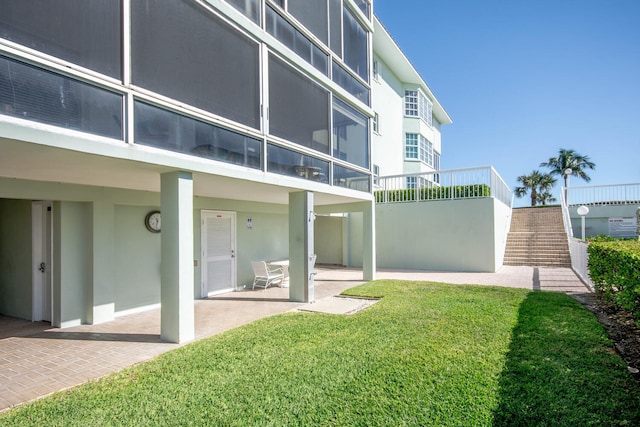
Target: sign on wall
column 622, row 227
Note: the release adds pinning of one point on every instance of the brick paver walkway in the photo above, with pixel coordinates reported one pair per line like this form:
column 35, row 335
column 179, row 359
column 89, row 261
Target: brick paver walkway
column 36, row 360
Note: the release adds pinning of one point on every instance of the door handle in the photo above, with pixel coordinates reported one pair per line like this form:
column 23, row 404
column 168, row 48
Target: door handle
column 233, row 254
column 42, row 267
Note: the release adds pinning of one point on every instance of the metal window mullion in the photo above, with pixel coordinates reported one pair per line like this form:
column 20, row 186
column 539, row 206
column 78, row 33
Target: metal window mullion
column 264, row 103
column 129, row 128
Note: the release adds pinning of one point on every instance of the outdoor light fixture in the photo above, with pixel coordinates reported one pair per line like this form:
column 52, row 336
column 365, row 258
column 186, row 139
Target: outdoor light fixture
column 567, row 173
column 583, row 211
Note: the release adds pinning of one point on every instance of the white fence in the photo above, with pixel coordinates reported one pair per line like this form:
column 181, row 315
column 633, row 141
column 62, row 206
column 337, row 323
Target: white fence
column 622, row 194
column 577, row 248
column 470, row 183
column 579, row 260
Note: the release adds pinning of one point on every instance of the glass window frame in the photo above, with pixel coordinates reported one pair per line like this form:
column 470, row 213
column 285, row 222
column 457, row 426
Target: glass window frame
column 416, row 104
column 411, row 146
column 83, row 100
column 274, row 115
column 187, row 128
column 234, row 64
column 358, row 122
column 418, row 147
column 315, row 51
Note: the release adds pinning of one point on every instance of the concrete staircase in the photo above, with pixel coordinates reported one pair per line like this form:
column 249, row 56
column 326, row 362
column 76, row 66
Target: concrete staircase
column 537, row 238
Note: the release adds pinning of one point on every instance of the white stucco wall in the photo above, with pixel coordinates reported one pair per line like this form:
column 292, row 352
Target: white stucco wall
column 328, row 239
column 137, row 257
column 387, row 99
column 458, row 235
column 15, row 258
column 130, row 256
column 72, row 270
column 267, row 239
column 597, row 220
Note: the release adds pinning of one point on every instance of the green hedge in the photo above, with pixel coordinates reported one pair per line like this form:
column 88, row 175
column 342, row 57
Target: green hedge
column 433, row 193
column 614, row 268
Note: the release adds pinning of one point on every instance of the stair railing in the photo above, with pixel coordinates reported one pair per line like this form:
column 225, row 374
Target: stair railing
column 507, row 229
column 577, row 248
column 566, row 217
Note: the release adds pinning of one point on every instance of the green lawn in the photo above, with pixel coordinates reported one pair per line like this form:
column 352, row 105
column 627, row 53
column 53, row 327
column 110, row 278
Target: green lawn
column 426, row 354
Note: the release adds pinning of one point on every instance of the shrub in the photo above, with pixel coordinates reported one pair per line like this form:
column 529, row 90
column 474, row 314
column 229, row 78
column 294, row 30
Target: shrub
column 433, row 193
column 607, row 238
column 614, row 268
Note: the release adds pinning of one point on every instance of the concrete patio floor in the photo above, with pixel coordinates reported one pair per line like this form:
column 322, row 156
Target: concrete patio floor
column 37, row 360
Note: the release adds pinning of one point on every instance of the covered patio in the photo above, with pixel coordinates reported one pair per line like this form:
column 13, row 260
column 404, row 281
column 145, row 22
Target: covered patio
column 91, row 256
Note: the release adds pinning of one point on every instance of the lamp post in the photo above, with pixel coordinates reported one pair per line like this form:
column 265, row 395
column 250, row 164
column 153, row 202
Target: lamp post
column 567, row 172
column 583, row 211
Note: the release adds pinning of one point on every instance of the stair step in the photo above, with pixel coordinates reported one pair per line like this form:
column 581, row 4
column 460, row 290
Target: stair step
column 537, row 238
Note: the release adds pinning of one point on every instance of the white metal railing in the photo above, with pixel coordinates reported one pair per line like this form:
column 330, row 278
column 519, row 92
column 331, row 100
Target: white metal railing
column 577, row 248
column 566, row 217
column 469, row 183
column 622, row 194
column 580, row 260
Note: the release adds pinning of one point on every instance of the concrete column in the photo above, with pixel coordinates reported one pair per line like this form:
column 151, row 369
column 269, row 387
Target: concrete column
column 101, row 292
column 301, row 248
column 177, row 322
column 369, row 241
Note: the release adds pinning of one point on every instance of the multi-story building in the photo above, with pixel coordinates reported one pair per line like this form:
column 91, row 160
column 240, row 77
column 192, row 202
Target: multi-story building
column 234, row 120
column 406, row 136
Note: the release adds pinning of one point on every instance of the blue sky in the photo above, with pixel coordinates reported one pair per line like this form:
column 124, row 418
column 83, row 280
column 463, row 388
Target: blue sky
column 523, row 78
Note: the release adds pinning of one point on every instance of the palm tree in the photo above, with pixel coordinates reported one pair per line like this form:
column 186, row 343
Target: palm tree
column 546, row 197
column 569, row 160
column 536, row 183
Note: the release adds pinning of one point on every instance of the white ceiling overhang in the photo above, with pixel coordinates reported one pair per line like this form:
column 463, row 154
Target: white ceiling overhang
column 38, row 153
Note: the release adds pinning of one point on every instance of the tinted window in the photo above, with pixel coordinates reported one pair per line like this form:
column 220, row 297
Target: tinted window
column 313, row 15
column 250, row 8
column 298, row 107
column 32, row 93
column 87, row 33
column 365, row 7
column 350, row 134
column 171, row 131
column 335, row 20
column 287, row 162
column 184, row 52
column 350, row 83
column 356, row 51
column 278, row 27
column 348, row 178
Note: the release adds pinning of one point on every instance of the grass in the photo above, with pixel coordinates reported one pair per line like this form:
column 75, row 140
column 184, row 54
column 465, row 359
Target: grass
column 427, row 354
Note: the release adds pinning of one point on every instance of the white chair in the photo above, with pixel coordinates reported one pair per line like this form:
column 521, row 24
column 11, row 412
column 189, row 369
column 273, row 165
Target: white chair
column 265, row 276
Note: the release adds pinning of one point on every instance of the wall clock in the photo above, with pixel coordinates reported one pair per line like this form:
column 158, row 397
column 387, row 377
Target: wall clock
column 153, row 221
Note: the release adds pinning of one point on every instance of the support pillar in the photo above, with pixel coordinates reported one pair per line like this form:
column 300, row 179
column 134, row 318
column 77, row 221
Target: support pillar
column 177, row 322
column 369, row 241
column 301, row 247
column 101, row 293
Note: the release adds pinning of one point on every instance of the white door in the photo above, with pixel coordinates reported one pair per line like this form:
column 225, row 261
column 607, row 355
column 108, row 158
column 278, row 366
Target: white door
column 41, row 261
column 218, row 244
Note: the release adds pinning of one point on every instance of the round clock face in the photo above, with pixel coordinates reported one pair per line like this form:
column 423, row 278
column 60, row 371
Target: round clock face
column 153, row 221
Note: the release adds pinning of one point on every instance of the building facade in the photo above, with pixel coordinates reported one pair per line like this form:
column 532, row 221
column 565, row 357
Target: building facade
column 407, row 121
column 232, row 121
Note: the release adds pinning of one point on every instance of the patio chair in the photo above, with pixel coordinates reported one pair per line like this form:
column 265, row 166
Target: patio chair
column 264, row 276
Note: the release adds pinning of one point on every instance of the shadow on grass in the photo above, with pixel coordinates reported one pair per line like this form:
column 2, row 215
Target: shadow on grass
column 562, row 371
